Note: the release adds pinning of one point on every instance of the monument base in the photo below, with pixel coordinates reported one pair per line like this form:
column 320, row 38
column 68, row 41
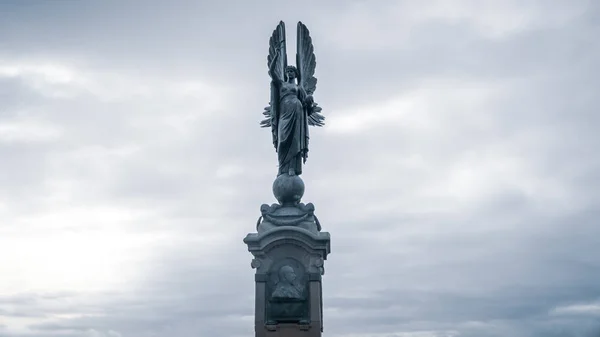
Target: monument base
column 289, row 330
column 289, row 263
column 289, row 251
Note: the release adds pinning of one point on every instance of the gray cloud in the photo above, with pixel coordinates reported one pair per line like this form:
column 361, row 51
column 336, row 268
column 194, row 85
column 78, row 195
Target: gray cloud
column 457, row 173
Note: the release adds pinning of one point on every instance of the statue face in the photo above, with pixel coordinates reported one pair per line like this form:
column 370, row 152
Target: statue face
column 290, row 276
column 287, row 274
column 290, row 73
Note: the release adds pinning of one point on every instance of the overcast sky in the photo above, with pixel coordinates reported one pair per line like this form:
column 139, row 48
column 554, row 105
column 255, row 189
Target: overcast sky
column 458, row 171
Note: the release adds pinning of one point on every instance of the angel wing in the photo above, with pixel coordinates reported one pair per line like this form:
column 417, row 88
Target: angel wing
column 306, row 64
column 276, row 71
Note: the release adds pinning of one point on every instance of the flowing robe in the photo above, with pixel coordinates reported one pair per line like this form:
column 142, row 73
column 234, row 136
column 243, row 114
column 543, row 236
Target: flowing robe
column 292, row 129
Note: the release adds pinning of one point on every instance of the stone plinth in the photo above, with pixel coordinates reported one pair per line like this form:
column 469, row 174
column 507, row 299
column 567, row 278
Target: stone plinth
column 289, row 256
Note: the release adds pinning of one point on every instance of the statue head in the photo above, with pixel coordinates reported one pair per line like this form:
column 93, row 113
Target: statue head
column 287, row 274
column 291, row 72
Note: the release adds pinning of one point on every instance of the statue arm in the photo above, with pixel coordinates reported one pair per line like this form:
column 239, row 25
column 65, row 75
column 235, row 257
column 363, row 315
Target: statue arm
column 306, row 99
column 272, row 67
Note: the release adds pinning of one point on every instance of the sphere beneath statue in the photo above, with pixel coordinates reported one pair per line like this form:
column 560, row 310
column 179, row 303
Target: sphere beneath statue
column 288, row 190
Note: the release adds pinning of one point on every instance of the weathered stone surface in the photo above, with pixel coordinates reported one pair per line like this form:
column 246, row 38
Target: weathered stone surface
column 289, row 264
column 287, row 285
column 300, row 215
column 288, row 190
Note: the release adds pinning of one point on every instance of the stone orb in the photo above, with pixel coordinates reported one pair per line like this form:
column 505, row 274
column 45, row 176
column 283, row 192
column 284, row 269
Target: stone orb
column 288, row 189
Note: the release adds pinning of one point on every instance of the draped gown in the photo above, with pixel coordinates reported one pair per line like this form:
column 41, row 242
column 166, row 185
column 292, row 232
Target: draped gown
column 292, row 129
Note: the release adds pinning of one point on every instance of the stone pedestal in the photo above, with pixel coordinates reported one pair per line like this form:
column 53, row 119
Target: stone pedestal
column 289, row 250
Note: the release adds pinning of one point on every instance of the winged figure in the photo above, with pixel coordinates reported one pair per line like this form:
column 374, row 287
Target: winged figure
column 292, row 107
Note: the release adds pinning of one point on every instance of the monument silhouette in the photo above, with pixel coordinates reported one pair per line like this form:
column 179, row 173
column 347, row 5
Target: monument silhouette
column 288, row 246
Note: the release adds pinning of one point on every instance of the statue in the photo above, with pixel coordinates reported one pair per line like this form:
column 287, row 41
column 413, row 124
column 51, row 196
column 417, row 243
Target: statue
column 287, row 302
column 291, row 111
column 289, row 247
column 292, row 108
column 285, row 287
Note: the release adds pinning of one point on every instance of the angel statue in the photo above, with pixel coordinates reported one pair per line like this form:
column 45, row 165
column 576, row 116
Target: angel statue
column 292, row 108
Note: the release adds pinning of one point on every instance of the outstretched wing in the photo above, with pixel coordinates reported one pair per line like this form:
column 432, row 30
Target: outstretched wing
column 305, row 60
column 306, row 63
column 276, row 44
column 316, row 118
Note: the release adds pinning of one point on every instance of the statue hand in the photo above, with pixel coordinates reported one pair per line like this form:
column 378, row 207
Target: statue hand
column 309, row 100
